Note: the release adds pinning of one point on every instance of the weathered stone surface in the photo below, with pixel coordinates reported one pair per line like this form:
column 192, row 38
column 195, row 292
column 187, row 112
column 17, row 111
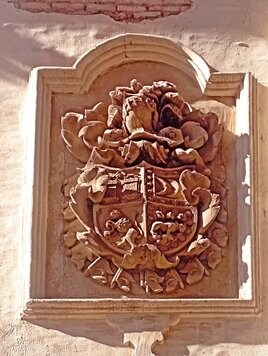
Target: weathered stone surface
column 231, row 38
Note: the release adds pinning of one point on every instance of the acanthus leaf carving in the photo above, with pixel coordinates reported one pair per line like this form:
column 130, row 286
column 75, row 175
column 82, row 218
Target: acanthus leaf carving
column 194, row 271
column 123, row 280
column 173, row 281
column 152, row 281
column 99, row 270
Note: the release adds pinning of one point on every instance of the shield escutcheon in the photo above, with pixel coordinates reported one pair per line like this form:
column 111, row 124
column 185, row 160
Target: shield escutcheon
column 148, row 200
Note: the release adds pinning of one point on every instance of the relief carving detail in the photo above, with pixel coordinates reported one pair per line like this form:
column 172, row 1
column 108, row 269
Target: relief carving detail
column 148, row 209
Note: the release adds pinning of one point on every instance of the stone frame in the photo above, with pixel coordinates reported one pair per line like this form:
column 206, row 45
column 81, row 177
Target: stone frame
column 44, row 81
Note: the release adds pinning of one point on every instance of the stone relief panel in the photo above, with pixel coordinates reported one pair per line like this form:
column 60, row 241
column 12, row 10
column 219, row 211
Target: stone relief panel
column 148, row 208
column 141, row 200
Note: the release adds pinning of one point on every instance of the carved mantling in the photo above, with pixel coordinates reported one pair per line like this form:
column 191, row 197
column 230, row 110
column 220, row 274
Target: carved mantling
column 150, row 199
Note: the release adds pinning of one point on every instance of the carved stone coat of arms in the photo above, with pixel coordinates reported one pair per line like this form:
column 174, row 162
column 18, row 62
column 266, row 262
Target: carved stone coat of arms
column 148, row 209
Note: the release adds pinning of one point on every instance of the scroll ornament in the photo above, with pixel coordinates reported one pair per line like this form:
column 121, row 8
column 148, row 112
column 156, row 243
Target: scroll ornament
column 148, row 209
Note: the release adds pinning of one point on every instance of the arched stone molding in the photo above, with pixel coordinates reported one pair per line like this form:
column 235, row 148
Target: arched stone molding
column 127, row 49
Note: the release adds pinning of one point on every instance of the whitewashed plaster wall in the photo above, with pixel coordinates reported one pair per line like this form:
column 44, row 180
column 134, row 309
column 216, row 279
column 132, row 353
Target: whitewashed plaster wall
column 231, row 36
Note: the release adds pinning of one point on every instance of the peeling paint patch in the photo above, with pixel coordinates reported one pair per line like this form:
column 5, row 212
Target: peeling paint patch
column 119, row 10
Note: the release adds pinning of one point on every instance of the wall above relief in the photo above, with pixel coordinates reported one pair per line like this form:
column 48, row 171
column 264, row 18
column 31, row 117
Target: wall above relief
column 119, row 10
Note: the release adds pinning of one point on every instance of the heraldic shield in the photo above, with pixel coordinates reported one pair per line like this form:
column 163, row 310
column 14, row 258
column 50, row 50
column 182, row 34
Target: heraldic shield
column 143, row 205
column 151, row 194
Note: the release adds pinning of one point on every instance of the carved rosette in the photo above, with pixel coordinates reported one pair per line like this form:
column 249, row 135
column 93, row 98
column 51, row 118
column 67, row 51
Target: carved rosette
column 149, row 206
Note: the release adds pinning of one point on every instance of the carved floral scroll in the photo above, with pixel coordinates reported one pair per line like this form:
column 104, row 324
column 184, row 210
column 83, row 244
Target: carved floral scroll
column 149, row 206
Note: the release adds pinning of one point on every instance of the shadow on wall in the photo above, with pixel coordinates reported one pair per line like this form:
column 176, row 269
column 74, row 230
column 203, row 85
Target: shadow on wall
column 18, row 61
column 189, row 336
column 96, row 329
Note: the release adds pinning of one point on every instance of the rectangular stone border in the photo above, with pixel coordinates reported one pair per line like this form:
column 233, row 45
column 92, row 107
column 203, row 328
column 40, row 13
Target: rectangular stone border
column 43, row 83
